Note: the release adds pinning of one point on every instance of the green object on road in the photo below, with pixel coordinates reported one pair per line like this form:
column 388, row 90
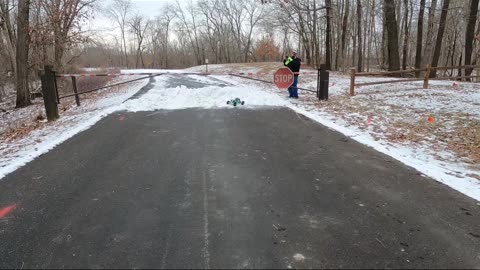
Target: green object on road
column 236, row 102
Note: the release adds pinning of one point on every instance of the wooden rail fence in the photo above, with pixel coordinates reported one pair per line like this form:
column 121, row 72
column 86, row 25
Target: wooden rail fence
column 428, row 72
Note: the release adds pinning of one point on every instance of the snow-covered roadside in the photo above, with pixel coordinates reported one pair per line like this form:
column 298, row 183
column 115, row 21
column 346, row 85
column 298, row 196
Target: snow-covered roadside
column 17, row 153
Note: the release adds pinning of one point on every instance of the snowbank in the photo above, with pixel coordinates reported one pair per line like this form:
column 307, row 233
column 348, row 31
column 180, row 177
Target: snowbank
column 72, row 122
column 181, row 97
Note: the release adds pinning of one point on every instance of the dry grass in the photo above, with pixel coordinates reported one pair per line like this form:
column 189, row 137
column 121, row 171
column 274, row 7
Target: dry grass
column 16, row 124
column 84, row 83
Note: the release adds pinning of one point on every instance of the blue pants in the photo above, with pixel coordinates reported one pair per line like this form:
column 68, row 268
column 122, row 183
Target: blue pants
column 293, row 90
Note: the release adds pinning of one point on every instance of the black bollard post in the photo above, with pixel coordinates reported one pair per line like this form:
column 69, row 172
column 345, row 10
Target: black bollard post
column 325, row 78
column 318, row 83
column 321, row 82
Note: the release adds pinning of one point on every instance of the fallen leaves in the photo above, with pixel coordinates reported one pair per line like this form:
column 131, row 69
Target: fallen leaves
column 444, row 131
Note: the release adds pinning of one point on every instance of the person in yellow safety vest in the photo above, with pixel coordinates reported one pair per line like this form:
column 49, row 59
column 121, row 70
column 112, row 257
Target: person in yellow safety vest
column 293, row 63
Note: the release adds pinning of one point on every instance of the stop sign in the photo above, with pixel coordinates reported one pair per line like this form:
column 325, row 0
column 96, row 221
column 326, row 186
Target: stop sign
column 283, row 78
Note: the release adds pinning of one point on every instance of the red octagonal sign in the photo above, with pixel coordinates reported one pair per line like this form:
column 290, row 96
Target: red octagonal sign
column 283, row 78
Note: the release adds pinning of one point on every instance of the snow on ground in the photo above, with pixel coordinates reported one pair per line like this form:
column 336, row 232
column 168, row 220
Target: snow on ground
column 16, row 149
column 231, row 68
column 181, row 97
column 151, row 71
column 436, row 131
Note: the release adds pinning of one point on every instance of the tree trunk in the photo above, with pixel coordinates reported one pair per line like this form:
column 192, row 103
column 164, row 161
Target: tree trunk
column 469, row 35
column 477, row 51
column 372, row 38
column 2, row 91
column 23, row 40
column 8, row 33
column 405, row 37
column 384, row 41
column 58, row 48
column 125, row 47
column 354, row 48
column 441, row 30
column 328, row 49
column 316, row 37
column 305, row 41
column 459, row 72
column 392, row 35
column 166, row 45
column 344, row 29
column 359, row 34
column 427, row 56
column 452, row 57
column 418, row 55
column 398, row 14
column 247, row 48
column 337, row 38
column 449, row 52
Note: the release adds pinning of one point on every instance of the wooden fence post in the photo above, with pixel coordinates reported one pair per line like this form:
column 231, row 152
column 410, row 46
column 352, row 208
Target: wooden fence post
column 49, row 93
column 427, row 77
column 353, row 71
column 74, row 84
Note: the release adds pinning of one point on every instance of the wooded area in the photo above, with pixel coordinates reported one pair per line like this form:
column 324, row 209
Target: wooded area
column 371, row 35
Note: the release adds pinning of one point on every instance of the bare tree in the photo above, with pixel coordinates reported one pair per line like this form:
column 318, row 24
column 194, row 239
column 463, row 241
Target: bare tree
column 167, row 18
column 229, row 31
column 392, row 32
column 188, row 26
column 138, row 27
column 119, row 12
column 3, row 81
column 406, row 35
column 328, row 43
column 64, row 18
column 469, row 34
column 254, row 14
column 359, row 34
column 344, row 31
column 23, row 39
column 7, row 32
column 418, row 54
column 441, row 31
column 427, row 55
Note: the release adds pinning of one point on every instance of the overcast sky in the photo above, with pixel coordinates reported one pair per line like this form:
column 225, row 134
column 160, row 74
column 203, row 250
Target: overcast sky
column 104, row 27
column 150, row 8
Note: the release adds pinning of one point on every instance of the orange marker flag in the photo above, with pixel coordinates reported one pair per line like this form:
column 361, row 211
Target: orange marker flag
column 431, row 120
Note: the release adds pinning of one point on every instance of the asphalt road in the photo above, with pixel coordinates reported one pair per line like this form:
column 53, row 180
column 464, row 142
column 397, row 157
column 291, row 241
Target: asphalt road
column 230, row 188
